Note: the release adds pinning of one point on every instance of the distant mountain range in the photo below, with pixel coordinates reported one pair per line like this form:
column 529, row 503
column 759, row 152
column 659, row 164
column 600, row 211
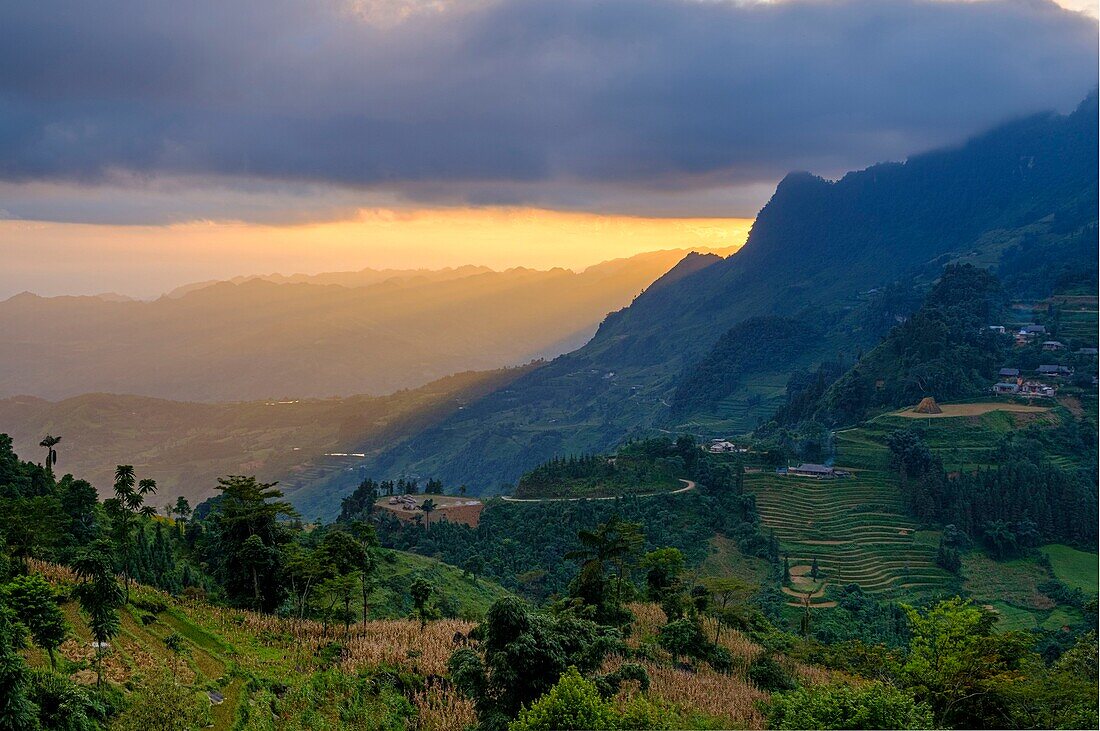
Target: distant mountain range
column 841, row 262
column 335, row 334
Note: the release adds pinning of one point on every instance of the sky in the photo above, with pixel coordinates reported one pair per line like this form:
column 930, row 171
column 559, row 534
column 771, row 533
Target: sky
column 148, row 143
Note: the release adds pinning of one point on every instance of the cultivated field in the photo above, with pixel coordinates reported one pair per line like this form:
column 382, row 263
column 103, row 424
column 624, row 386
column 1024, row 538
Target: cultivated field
column 448, row 507
column 974, row 409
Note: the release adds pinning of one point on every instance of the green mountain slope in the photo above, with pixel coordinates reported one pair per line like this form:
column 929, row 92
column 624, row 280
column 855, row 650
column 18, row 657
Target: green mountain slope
column 815, row 252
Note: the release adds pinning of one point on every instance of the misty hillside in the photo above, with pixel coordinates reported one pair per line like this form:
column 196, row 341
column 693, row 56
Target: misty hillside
column 335, row 334
column 1020, row 200
column 187, row 446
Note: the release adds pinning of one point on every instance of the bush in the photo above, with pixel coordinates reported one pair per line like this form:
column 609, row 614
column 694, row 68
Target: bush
column 574, row 703
column 871, row 706
column 766, row 672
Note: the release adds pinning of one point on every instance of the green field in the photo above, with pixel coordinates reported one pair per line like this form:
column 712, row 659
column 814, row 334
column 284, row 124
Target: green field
column 462, row 596
column 856, row 528
column 1078, row 569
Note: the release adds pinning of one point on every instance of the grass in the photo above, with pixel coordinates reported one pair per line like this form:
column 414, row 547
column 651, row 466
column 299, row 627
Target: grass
column 1012, row 582
column 465, row 596
column 1078, row 569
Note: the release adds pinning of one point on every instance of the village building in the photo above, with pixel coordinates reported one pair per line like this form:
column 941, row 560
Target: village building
column 811, row 470
column 1008, row 373
column 721, row 446
column 1054, row 371
column 997, row 328
column 1034, row 388
column 1006, row 387
column 1033, row 330
column 1053, row 345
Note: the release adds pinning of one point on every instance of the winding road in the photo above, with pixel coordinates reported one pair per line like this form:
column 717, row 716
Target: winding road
column 688, row 485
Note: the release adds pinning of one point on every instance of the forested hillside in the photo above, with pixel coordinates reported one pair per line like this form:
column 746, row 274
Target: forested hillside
column 1019, row 199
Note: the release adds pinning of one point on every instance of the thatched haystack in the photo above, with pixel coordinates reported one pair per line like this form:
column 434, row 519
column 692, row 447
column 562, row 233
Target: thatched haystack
column 928, row 405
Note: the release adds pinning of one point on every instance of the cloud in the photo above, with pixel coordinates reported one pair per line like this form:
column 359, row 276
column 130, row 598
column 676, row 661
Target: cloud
column 610, row 105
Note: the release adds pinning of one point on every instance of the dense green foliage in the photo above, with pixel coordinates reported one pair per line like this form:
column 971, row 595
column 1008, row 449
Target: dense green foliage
column 1017, row 505
column 523, row 545
column 944, row 350
column 757, row 344
column 874, row 705
column 636, row 468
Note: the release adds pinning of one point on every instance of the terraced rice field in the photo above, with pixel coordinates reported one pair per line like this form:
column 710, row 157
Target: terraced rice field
column 856, row 528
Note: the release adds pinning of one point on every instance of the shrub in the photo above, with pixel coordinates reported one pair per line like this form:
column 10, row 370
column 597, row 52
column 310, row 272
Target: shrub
column 871, row 706
column 574, row 703
column 766, row 672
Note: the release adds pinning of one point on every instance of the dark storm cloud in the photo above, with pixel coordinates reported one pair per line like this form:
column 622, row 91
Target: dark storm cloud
column 556, row 102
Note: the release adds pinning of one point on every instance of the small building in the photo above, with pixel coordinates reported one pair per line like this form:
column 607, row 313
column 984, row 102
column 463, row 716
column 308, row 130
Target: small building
column 1053, row 345
column 1054, row 371
column 1036, row 389
column 811, row 470
column 1008, row 373
column 997, row 328
column 1006, row 387
column 1033, row 330
column 721, row 446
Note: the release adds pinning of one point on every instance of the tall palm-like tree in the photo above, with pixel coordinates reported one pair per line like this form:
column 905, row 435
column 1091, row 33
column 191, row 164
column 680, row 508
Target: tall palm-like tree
column 130, row 495
column 429, row 507
column 51, row 454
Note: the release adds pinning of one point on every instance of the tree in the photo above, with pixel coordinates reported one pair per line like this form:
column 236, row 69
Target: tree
column 615, row 543
column 51, row 454
column 960, row 667
column 814, row 570
column 421, row 591
column 573, row 703
column 182, row 508
column 663, row 569
column 32, row 599
column 725, row 595
column 100, row 597
column 17, row 712
column 128, row 504
column 429, row 507
column 249, row 512
column 521, row 654
column 874, row 705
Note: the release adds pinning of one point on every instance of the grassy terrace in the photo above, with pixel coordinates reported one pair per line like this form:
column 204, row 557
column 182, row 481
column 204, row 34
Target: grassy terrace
column 855, row 528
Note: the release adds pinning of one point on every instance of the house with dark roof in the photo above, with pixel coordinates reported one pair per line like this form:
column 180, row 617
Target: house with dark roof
column 1053, row 345
column 1008, row 373
column 1054, row 371
column 811, row 470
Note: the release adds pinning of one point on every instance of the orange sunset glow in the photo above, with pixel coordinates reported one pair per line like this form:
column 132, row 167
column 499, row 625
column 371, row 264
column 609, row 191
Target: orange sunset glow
column 146, row 260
